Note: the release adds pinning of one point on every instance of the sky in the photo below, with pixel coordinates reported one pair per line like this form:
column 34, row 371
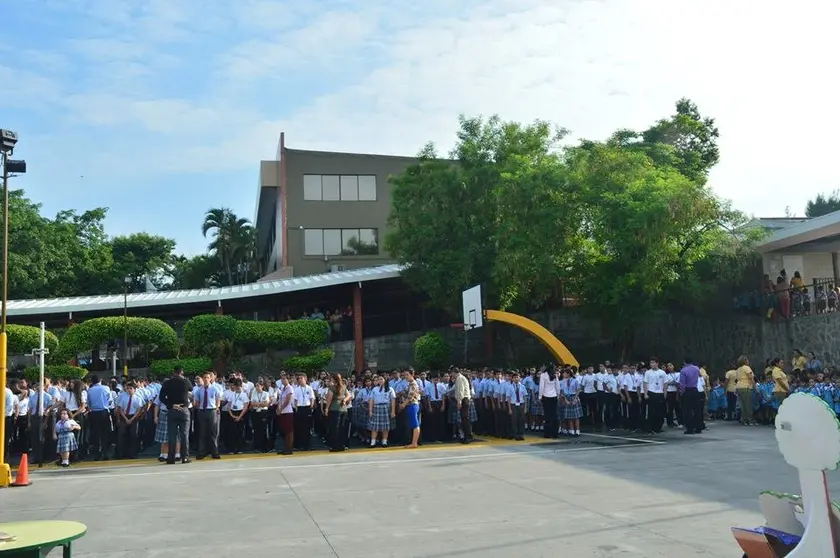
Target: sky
column 161, row 109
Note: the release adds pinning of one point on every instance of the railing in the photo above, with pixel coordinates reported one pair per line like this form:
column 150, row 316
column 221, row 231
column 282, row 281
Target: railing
column 820, row 296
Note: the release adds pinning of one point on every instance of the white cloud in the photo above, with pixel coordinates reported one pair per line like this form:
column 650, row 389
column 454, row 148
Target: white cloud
column 408, row 70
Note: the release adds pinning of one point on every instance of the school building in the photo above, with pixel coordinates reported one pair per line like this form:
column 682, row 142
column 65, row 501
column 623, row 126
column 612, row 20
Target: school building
column 809, row 246
column 321, row 212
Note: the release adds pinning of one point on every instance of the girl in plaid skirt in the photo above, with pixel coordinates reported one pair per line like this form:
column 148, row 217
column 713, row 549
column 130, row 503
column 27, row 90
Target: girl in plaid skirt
column 535, row 410
column 63, row 434
column 162, row 431
column 382, row 411
column 572, row 410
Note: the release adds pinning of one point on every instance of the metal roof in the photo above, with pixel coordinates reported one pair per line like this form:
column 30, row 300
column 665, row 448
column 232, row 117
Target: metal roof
column 169, row 298
column 802, row 232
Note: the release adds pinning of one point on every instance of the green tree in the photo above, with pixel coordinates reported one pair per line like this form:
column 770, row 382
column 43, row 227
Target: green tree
column 141, row 255
column 197, row 272
column 483, row 215
column 232, row 241
column 653, row 236
column 823, row 204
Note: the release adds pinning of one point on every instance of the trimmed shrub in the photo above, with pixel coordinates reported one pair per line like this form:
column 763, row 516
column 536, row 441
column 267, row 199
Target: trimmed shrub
column 55, row 372
column 192, row 366
column 431, row 351
column 300, row 335
column 204, row 333
column 23, row 338
column 90, row 334
column 219, row 337
column 310, row 361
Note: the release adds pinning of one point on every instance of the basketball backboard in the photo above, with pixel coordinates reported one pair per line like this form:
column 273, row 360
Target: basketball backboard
column 473, row 311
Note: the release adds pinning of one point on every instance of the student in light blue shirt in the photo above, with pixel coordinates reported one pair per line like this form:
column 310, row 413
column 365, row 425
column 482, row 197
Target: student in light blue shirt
column 517, row 402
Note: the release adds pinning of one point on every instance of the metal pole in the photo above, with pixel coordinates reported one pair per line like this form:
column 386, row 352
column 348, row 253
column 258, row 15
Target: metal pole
column 114, row 362
column 125, row 329
column 5, row 470
column 41, row 352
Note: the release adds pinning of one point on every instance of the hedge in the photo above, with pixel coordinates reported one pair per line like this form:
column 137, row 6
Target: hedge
column 90, row 334
column 191, row 366
column 300, row 335
column 55, row 372
column 310, row 361
column 431, row 351
column 23, row 338
column 202, row 333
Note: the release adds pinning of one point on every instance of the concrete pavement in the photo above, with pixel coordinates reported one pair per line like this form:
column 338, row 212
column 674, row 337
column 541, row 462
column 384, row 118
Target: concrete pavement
column 598, row 496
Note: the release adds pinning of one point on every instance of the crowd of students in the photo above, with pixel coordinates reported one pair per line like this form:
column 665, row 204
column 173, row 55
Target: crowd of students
column 88, row 419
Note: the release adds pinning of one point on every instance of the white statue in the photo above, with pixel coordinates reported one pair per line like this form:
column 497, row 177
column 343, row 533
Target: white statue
column 808, row 434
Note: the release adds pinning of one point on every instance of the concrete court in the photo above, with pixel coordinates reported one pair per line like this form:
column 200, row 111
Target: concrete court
column 578, row 499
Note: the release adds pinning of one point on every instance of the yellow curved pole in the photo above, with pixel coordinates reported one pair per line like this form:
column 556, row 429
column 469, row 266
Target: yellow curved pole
column 558, row 349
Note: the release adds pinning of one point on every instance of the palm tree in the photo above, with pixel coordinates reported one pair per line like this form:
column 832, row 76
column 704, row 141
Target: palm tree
column 228, row 232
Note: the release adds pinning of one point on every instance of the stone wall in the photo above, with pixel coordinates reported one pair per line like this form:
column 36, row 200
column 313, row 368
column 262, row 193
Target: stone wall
column 716, row 340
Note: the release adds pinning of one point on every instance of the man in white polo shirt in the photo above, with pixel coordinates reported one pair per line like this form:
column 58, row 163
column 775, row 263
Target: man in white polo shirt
column 654, row 394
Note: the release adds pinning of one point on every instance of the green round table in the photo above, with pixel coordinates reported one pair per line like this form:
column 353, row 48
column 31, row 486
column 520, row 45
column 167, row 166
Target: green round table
column 35, row 539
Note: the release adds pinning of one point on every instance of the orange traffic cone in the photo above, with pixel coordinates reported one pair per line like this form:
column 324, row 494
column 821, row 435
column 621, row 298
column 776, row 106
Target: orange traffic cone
column 22, row 477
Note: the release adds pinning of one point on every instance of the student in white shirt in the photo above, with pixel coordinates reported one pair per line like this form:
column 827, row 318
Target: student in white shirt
column 235, row 412
column 130, row 407
column 548, row 392
column 286, row 416
column 654, row 383
column 304, row 405
column 588, row 396
column 259, row 402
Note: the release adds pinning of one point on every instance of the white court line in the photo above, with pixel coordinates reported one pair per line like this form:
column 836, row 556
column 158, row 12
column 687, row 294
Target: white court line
column 640, row 440
column 186, row 470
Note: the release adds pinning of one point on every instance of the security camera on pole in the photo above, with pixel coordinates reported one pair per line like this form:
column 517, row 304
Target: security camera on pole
column 8, row 140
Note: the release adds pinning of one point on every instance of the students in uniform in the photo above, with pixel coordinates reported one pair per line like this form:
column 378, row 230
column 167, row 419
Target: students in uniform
column 572, row 411
column 517, row 406
column 535, row 410
column 76, row 405
column 382, row 411
column 10, row 409
column 286, row 416
column 304, row 407
column 258, row 409
column 612, row 399
column 653, row 386
column 361, row 417
column 588, row 396
column 21, row 431
column 38, row 421
column 130, row 407
column 160, row 416
column 64, row 434
column 434, row 419
column 236, row 403
column 100, row 421
column 672, row 397
column 207, row 399
column 549, row 391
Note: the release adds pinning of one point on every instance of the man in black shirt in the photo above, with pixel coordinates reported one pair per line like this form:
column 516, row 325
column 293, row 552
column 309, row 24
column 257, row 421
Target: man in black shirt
column 175, row 395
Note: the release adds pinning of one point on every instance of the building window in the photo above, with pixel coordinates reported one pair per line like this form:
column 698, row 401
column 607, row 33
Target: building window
column 340, row 242
column 332, row 187
column 332, row 242
column 312, row 187
column 313, row 242
column 367, row 188
column 349, row 188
